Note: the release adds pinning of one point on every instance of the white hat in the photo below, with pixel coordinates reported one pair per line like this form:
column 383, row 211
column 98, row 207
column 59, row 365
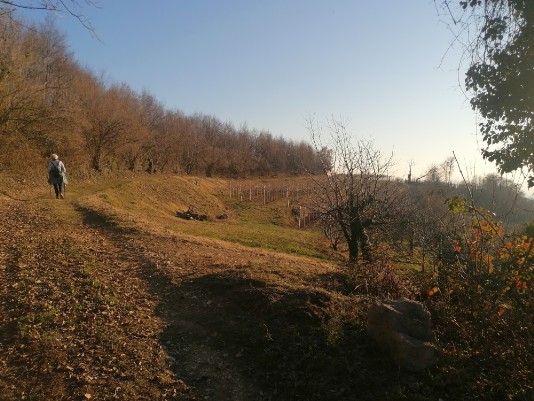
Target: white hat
column 54, row 156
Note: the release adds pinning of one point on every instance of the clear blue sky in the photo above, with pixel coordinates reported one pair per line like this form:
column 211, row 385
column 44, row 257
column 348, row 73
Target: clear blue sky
column 273, row 63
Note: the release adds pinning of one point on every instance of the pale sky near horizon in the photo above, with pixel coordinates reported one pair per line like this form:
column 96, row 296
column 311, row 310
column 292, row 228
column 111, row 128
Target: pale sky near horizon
column 274, row 63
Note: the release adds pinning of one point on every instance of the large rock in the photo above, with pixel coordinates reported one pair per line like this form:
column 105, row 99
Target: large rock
column 404, row 329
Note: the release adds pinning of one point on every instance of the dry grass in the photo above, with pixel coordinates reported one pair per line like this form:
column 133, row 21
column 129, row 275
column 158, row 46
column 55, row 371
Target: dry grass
column 131, row 302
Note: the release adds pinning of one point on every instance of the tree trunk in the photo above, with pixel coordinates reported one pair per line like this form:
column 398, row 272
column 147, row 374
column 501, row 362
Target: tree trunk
column 209, row 169
column 354, row 240
column 96, row 163
column 366, row 247
column 353, row 250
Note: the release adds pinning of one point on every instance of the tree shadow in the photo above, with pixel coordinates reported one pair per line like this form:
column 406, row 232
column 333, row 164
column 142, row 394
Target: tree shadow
column 235, row 338
column 102, row 221
column 337, row 281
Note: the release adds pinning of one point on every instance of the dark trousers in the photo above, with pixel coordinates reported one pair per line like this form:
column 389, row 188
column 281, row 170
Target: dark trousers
column 58, row 187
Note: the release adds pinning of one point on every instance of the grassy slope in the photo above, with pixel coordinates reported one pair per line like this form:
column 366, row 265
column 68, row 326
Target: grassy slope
column 248, row 308
column 155, row 200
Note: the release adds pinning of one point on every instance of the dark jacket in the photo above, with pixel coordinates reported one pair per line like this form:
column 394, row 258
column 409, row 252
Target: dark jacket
column 61, row 168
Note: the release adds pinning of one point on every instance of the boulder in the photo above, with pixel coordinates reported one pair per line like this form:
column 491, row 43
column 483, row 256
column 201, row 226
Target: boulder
column 403, row 328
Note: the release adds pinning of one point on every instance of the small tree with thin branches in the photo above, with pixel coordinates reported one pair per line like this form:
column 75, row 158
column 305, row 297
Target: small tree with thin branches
column 356, row 191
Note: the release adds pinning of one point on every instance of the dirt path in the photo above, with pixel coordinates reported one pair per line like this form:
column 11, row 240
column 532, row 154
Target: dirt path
column 96, row 305
column 92, row 310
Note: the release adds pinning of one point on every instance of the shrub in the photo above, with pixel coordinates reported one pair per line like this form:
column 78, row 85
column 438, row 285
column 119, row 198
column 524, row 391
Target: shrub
column 481, row 303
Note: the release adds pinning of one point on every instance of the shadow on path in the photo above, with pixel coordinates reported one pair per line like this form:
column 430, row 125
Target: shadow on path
column 232, row 338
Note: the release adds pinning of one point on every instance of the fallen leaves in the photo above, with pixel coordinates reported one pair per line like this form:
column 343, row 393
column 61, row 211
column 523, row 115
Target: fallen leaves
column 79, row 317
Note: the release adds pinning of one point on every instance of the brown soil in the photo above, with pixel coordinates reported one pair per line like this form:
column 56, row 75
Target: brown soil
column 95, row 307
column 100, row 306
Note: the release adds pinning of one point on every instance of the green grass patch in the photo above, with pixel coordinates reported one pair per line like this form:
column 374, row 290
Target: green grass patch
column 156, row 199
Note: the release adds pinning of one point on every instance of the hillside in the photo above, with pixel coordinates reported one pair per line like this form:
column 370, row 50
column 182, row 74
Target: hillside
column 108, row 295
column 105, row 302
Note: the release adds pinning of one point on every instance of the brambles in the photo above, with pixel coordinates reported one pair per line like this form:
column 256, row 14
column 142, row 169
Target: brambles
column 482, row 302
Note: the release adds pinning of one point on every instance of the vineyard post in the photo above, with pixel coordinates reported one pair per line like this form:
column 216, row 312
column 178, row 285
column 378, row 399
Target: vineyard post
column 264, row 200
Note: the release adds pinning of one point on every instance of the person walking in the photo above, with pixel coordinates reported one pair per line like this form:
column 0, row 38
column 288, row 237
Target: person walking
column 56, row 176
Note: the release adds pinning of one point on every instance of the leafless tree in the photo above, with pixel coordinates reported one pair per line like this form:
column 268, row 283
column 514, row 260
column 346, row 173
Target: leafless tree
column 34, row 86
column 49, row 103
column 72, row 8
column 111, row 124
column 356, row 191
column 447, row 169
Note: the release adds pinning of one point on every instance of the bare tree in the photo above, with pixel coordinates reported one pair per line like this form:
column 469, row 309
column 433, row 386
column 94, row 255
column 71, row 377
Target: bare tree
column 356, row 191
column 70, row 7
column 447, row 169
column 34, row 85
column 111, row 124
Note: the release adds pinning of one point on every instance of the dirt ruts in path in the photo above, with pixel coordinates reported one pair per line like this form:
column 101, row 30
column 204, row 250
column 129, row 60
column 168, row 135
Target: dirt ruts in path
column 167, row 266
column 85, row 309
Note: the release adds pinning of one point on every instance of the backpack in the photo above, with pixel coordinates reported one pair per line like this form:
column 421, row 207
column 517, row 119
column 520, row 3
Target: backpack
column 54, row 171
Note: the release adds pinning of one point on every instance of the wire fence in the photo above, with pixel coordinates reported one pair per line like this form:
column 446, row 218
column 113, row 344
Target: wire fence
column 295, row 197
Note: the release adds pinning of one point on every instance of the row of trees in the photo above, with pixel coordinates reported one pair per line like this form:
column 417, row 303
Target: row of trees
column 49, row 103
